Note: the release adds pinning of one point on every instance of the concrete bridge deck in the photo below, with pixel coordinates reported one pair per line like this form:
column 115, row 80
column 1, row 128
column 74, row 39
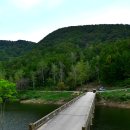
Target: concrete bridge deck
column 73, row 117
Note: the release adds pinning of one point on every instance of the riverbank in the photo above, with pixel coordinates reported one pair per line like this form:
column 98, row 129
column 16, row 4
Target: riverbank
column 41, row 101
column 114, row 98
column 46, row 97
column 114, row 104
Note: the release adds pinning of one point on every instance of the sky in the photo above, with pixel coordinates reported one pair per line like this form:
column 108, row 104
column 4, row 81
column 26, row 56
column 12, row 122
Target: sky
column 32, row 20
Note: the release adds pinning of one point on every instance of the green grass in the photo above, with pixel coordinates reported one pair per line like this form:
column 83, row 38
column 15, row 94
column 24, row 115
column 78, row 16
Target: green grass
column 46, row 95
column 119, row 95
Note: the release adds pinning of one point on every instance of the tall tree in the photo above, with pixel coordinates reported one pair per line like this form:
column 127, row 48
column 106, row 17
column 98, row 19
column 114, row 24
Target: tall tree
column 33, row 77
column 2, row 71
column 42, row 67
column 61, row 71
column 72, row 77
column 73, row 58
column 83, row 71
column 54, row 70
column 7, row 93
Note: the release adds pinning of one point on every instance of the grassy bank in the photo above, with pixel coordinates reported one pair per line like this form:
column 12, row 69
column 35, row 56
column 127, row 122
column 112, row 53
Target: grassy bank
column 121, row 95
column 114, row 98
column 46, row 96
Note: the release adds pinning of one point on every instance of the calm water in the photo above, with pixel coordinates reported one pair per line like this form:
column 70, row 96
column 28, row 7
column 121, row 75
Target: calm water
column 18, row 116
column 111, row 119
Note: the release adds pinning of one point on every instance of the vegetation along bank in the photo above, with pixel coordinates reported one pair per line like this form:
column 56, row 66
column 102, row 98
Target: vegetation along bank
column 70, row 57
column 114, row 98
column 67, row 59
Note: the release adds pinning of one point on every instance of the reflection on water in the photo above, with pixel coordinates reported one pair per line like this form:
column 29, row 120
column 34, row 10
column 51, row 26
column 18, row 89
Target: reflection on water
column 18, row 116
column 107, row 118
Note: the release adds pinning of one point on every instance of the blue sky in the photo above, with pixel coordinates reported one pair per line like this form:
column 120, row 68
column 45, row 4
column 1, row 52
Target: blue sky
column 33, row 19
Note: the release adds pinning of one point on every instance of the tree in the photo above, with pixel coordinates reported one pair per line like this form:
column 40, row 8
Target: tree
column 7, row 90
column 54, row 70
column 72, row 77
column 73, row 58
column 18, row 77
column 42, row 66
column 95, row 68
column 83, row 71
column 2, row 74
column 61, row 71
column 7, row 93
column 33, row 78
column 2, row 71
column 19, row 74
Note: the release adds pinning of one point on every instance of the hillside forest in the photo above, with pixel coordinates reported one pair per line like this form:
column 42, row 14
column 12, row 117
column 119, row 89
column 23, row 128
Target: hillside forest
column 68, row 58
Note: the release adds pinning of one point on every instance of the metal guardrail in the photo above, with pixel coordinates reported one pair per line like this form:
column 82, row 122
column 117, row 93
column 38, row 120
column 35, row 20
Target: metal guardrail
column 88, row 123
column 42, row 121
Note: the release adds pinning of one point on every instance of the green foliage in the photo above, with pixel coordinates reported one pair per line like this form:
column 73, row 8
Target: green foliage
column 83, row 72
column 1, row 100
column 113, row 63
column 7, row 90
column 74, row 56
column 46, row 96
column 119, row 95
column 11, row 49
column 125, row 83
column 61, row 86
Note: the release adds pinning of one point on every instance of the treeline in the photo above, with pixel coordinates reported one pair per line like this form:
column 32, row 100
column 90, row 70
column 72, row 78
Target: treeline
column 12, row 49
column 65, row 60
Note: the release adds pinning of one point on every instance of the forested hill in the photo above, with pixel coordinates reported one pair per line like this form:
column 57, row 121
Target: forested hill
column 84, row 35
column 11, row 49
column 73, row 56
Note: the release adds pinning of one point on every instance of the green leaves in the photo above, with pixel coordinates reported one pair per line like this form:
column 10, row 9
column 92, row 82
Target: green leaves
column 12, row 49
column 7, row 90
column 83, row 71
column 75, row 56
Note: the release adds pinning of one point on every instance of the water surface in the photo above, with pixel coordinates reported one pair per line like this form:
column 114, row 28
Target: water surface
column 107, row 118
column 17, row 116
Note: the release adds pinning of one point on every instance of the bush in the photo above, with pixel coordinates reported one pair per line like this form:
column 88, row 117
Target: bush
column 125, row 83
column 1, row 100
column 7, row 90
column 61, row 86
column 119, row 95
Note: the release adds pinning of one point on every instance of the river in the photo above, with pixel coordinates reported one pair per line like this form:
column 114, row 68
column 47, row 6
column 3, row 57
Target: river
column 107, row 118
column 17, row 116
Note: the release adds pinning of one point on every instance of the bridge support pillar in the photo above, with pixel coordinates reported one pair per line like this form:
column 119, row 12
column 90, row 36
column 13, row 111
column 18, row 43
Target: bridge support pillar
column 88, row 128
column 31, row 126
column 94, row 90
column 84, row 128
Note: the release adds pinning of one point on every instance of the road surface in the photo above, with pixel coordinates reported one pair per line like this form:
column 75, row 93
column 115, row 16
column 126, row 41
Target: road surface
column 73, row 117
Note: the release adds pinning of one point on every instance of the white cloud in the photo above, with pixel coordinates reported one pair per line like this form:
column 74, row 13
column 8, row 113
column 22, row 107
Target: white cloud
column 107, row 16
column 34, row 36
column 25, row 4
column 53, row 3
column 28, row 4
column 111, row 15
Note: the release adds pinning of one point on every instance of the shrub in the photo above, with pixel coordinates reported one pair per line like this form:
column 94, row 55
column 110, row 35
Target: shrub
column 61, row 86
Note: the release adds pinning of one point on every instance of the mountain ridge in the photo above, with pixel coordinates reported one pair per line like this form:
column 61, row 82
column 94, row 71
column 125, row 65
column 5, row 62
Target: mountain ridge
column 73, row 56
column 11, row 49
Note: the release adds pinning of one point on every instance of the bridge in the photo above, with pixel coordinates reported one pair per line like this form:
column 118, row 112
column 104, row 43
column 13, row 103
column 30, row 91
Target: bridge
column 74, row 115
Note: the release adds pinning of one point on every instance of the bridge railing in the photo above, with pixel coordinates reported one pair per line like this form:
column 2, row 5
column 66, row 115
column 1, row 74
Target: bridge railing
column 42, row 121
column 88, row 123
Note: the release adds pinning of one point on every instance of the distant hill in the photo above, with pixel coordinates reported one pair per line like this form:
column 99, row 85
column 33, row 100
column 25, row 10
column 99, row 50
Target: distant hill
column 12, row 49
column 70, row 57
column 86, row 34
